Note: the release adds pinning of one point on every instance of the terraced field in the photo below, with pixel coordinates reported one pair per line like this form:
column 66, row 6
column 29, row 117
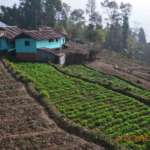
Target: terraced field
column 124, row 119
column 105, row 78
column 24, row 125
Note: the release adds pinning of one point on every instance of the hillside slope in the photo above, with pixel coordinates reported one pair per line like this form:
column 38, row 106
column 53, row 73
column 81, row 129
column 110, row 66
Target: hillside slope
column 25, row 125
column 91, row 105
column 118, row 64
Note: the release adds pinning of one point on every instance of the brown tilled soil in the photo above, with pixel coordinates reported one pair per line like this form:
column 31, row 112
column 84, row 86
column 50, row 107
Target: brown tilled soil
column 116, row 64
column 24, row 125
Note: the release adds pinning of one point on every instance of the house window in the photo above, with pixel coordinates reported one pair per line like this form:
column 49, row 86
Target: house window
column 51, row 40
column 27, row 43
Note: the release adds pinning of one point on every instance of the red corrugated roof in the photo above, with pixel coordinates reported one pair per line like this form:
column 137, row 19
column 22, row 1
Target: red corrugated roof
column 44, row 33
column 10, row 32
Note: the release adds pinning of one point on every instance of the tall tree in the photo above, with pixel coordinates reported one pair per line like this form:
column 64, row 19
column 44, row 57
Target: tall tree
column 65, row 13
column 76, row 24
column 32, row 11
column 51, row 9
column 96, row 20
column 118, row 24
column 77, row 16
column 90, row 10
column 11, row 16
column 125, row 11
column 141, row 36
column 112, row 10
column 114, row 25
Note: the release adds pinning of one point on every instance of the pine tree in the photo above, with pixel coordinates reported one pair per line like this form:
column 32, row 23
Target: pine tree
column 141, row 36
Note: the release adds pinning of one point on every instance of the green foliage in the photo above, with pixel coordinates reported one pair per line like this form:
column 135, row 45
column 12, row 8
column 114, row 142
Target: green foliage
column 147, row 144
column 118, row 24
column 108, row 79
column 77, row 16
column 90, row 105
column 142, row 36
column 40, row 12
column 101, row 35
column 90, row 10
column 44, row 94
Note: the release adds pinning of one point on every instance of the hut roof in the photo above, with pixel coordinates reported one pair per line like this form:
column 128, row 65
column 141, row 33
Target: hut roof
column 41, row 34
column 9, row 32
column 44, row 33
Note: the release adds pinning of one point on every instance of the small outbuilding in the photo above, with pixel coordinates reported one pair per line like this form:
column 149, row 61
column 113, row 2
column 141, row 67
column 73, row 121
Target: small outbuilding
column 53, row 55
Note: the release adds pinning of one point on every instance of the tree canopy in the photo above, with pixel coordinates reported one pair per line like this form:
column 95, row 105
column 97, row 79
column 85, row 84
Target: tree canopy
column 31, row 13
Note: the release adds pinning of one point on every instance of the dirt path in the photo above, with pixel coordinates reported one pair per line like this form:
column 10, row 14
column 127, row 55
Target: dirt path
column 24, row 125
column 132, row 76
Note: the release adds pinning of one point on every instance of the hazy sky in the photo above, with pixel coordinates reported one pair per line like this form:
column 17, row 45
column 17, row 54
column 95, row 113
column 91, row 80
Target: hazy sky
column 140, row 11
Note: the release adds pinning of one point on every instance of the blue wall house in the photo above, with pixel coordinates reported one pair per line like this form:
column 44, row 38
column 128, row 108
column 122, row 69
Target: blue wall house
column 30, row 43
column 7, row 38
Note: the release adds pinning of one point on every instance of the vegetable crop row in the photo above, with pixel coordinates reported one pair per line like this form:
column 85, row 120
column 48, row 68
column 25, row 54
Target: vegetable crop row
column 110, row 81
column 91, row 105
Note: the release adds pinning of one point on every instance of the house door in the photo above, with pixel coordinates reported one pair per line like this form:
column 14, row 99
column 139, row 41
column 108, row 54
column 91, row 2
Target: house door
column 62, row 59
